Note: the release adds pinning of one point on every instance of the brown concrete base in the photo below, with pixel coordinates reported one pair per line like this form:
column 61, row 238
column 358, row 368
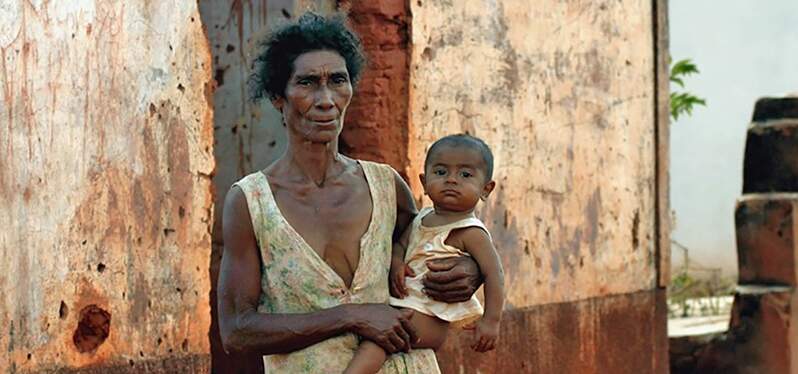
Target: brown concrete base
column 766, row 238
column 760, row 339
column 185, row 364
column 615, row 334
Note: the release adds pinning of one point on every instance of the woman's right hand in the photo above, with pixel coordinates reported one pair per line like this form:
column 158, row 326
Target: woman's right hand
column 386, row 326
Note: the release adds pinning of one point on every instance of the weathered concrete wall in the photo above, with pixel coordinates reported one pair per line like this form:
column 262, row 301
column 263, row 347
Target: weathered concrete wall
column 570, row 96
column 105, row 186
column 564, row 94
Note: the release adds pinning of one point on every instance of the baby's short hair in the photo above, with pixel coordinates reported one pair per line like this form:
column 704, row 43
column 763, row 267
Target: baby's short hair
column 465, row 140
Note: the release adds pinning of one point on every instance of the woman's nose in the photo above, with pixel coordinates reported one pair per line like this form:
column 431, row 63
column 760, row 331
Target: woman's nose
column 324, row 98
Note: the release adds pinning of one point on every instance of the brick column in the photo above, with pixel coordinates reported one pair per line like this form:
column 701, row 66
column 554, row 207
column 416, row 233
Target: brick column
column 377, row 120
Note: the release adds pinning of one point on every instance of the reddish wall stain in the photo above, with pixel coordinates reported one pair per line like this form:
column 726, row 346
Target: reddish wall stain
column 93, row 328
column 377, row 121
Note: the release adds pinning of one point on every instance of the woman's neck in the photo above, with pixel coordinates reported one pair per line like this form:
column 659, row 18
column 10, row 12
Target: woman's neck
column 316, row 162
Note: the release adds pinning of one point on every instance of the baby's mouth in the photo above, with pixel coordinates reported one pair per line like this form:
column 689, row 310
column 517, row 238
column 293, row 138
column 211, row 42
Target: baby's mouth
column 450, row 193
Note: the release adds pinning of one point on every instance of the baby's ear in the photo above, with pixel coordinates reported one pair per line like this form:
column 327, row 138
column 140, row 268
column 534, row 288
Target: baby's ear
column 423, row 179
column 487, row 189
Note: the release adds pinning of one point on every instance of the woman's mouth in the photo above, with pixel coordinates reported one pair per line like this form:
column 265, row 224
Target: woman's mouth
column 324, row 123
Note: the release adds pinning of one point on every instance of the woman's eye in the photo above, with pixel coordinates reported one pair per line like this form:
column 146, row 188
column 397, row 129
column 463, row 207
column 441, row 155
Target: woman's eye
column 339, row 80
column 304, row 83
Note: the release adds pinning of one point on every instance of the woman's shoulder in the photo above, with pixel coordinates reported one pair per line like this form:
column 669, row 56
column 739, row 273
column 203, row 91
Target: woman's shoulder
column 378, row 169
column 251, row 183
column 375, row 164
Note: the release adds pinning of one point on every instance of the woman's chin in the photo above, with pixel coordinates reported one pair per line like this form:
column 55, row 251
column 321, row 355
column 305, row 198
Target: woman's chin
column 323, row 137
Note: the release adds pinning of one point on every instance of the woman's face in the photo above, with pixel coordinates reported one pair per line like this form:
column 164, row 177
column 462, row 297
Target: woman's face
column 316, row 97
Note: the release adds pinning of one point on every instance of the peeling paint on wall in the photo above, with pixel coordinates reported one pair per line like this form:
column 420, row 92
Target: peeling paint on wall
column 563, row 93
column 105, row 191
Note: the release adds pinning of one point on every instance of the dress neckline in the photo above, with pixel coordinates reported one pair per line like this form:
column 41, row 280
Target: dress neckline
column 321, row 264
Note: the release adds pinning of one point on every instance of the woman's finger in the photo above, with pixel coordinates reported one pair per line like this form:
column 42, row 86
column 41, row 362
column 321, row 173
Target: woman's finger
column 400, row 331
column 432, row 281
column 441, row 265
column 398, row 343
column 387, row 345
column 447, row 276
column 449, row 297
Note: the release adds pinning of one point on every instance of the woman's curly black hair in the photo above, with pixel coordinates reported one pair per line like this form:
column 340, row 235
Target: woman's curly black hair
column 274, row 64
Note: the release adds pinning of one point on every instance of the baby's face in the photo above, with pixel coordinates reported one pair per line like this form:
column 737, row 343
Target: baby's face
column 455, row 178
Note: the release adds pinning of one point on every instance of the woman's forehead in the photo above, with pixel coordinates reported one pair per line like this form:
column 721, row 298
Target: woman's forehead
column 319, row 62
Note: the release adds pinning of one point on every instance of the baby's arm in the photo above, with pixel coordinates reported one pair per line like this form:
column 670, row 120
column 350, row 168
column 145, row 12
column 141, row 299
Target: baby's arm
column 477, row 242
column 398, row 267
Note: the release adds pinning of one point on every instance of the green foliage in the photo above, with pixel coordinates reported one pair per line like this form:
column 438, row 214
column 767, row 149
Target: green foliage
column 683, row 102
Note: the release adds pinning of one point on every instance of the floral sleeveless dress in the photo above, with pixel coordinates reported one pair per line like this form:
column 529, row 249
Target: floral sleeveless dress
column 295, row 279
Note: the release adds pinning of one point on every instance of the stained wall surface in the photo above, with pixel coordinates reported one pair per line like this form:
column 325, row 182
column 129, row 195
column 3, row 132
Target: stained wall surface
column 105, row 186
column 564, row 94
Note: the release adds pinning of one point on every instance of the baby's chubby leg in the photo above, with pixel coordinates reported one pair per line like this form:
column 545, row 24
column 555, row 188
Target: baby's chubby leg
column 369, row 357
column 431, row 331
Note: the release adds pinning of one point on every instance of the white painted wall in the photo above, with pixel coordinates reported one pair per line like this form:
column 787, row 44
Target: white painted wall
column 745, row 49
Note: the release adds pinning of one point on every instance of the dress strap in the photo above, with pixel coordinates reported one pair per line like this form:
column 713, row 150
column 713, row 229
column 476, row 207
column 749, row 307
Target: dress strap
column 463, row 223
column 256, row 190
column 470, row 222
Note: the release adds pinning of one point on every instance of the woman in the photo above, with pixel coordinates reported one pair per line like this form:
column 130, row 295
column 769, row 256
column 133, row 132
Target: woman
column 308, row 240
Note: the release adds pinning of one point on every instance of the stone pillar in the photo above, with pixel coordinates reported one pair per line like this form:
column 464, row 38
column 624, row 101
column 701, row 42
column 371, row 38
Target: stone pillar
column 763, row 331
column 764, row 315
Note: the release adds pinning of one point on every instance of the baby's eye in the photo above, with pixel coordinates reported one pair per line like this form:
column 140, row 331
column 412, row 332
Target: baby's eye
column 440, row 172
column 465, row 174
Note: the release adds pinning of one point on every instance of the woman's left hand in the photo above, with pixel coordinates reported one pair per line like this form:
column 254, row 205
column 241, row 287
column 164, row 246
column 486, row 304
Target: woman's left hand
column 452, row 280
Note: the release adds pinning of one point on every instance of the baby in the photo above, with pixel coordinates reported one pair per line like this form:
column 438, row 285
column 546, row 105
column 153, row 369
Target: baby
column 457, row 174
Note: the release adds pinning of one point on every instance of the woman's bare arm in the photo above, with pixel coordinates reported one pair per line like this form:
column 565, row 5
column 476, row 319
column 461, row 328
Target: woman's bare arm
column 243, row 329
column 405, row 207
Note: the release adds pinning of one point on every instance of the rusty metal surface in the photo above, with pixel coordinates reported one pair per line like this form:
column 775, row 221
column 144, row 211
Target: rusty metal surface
column 615, row 334
column 567, row 103
column 105, row 183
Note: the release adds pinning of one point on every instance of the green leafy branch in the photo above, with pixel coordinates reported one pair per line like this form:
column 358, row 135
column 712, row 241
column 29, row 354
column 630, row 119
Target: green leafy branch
column 683, row 102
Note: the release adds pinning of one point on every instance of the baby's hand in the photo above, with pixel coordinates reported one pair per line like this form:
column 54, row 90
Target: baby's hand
column 399, row 270
column 486, row 333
